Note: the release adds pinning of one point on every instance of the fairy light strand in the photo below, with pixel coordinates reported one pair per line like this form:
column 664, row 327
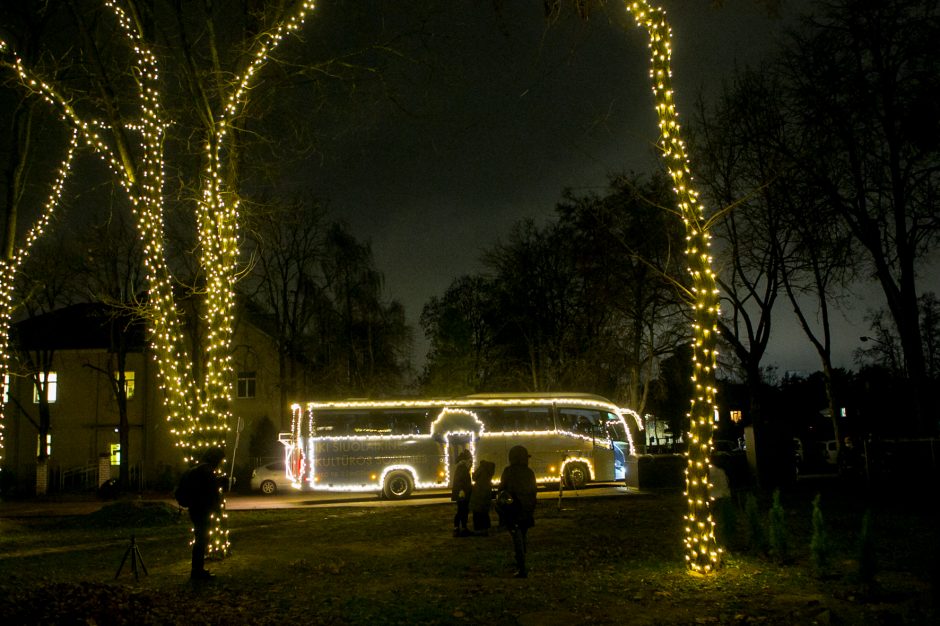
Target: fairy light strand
column 10, row 267
column 703, row 555
column 197, row 415
column 455, row 417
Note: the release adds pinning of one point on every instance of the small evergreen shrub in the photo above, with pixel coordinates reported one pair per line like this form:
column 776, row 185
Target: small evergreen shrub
column 779, row 542
column 867, row 566
column 755, row 526
column 726, row 521
column 820, row 546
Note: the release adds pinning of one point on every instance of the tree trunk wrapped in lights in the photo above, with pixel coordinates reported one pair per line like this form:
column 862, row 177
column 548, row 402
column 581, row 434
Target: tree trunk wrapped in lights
column 197, row 410
column 702, row 552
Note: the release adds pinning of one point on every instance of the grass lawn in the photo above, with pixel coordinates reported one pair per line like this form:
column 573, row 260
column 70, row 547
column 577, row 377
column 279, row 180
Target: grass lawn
column 613, row 560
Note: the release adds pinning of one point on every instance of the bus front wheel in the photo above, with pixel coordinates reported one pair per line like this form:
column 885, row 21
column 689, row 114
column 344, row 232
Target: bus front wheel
column 398, row 485
column 576, row 476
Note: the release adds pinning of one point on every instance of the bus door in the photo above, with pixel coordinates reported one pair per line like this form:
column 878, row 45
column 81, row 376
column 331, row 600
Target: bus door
column 617, row 433
column 605, row 452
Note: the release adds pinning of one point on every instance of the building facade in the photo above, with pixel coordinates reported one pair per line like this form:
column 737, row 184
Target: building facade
column 78, row 348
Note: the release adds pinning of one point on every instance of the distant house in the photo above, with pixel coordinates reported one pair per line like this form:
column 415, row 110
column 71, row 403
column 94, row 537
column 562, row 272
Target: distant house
column 79, row 343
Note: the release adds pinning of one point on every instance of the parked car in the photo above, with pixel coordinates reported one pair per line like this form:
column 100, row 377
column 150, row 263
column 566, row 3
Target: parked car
column 831, row 452
column 724, row 445
column 270, row 479
column 798, row 451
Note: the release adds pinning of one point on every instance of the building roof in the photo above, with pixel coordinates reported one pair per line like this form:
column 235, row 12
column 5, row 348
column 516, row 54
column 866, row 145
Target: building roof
column 84, row 326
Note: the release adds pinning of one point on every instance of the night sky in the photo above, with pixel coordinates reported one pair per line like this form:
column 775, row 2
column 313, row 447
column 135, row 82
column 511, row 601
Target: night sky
column 524, row 110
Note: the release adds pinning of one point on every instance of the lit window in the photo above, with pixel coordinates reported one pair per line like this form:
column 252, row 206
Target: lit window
column 128, row 383
column 48, row 445
column 51, row 385
column 247, row 382
column 6, row 389
column 115, row 454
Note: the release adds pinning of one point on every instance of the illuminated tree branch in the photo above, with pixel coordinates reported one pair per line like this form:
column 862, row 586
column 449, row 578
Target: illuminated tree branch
column 9, row 268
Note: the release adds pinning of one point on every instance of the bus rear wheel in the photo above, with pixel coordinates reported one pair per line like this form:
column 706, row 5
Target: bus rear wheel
column 576, row 475
column 398, row 485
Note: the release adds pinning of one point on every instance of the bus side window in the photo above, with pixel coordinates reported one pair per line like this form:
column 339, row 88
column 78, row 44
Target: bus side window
column 494, row 420
column 565, row 420
column 372, row 423
column 615, row 430
column 410, row 423
column 598, row 421
column 579, row 421
column 540, row 420
column 513, row 420
column 529, row 419
column 331, row 424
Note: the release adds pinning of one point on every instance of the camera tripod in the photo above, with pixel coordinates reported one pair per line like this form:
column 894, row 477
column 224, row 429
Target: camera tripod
column 134, row 553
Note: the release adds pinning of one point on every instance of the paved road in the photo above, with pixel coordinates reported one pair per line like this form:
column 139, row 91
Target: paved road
column 437, row 496
column 79, row 505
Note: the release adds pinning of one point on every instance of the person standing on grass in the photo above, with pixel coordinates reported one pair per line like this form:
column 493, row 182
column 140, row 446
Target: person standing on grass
column 481, row 497
column 203, row 496
column 460, row 493
column 518, row 483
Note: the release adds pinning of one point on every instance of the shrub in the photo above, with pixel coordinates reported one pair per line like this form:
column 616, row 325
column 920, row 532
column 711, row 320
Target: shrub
column 779, row 544
column 755, row 526
column 819, row 545
column 726, row 521
column 867, row 566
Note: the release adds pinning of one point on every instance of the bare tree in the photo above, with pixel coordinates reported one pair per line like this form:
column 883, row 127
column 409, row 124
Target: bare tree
column 862, row 79
column 286, row 280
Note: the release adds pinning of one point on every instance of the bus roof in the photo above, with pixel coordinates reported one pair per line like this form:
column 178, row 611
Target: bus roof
column 479, row 399
column 540, row 395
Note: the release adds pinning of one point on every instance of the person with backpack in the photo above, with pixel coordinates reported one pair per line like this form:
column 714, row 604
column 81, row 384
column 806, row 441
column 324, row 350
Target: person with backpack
column 200, row 491
column 517, row 498
column 460, row 493
column 481, row 497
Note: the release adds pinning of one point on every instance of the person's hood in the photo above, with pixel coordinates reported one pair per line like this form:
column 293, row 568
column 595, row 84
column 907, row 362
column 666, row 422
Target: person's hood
column 518, row 455
column 486, row 469
column 213, row 456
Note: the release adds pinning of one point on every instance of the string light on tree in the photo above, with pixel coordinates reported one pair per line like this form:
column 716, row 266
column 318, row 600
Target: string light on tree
column 702, row 552
column 10, row 267
column 197, row 413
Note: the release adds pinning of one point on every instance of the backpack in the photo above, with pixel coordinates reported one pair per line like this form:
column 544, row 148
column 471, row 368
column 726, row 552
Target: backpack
column 184, row 491
column 505, row 504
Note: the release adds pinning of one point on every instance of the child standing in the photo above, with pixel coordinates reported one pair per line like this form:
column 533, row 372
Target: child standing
column 482, row 496
column 460, row 493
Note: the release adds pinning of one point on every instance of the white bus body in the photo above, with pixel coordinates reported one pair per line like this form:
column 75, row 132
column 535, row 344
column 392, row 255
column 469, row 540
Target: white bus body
column 395, row 447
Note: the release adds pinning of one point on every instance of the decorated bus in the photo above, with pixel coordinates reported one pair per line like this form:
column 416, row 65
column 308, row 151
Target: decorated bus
column 395, row 447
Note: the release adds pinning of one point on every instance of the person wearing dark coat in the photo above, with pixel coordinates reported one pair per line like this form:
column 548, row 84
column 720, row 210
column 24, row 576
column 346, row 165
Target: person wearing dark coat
column 518, row 515
column 206, row 498
column 460, row 493
column 481, row 497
